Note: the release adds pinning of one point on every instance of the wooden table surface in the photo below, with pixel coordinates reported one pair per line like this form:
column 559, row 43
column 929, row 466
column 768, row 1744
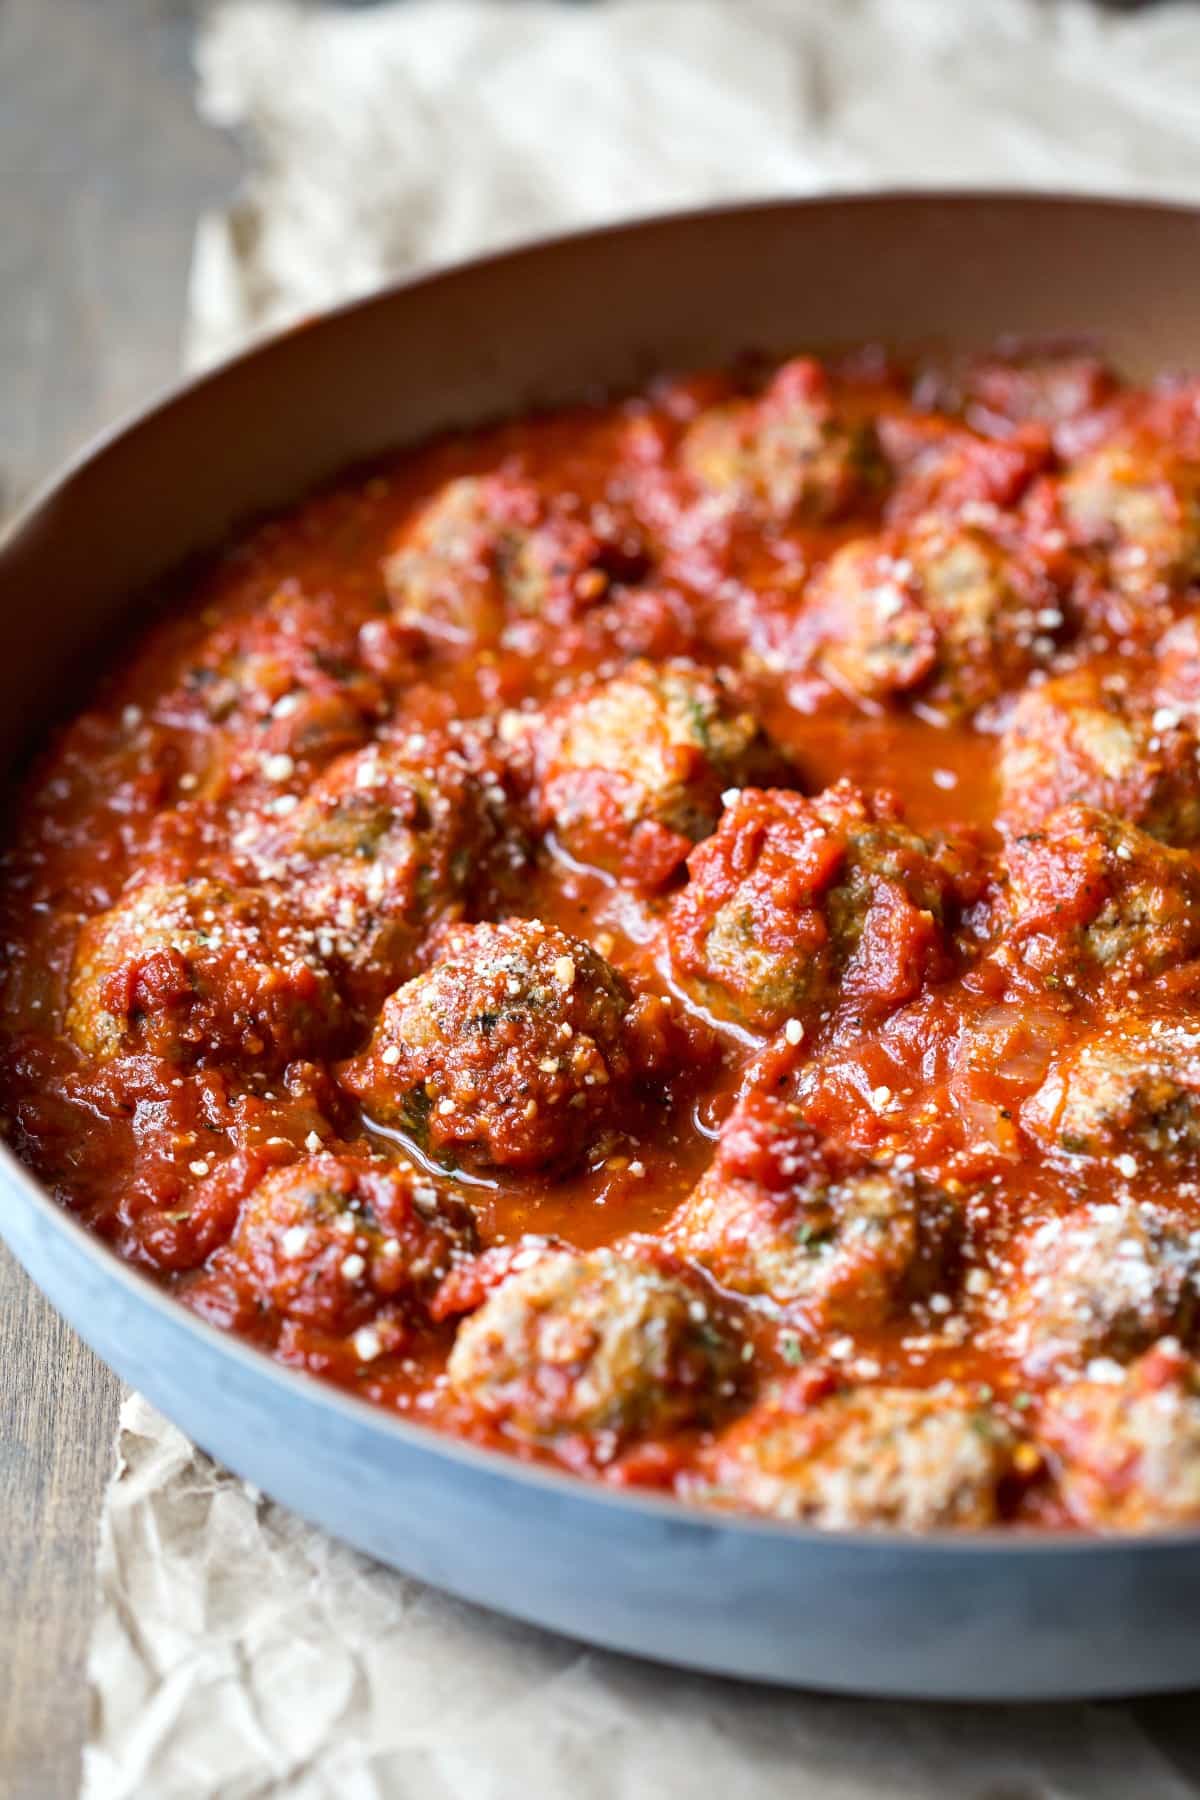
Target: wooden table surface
column 105, row 169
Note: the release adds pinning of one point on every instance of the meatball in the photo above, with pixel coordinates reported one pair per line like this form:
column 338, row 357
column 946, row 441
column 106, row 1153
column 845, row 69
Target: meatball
column 790, row 456
column 488, row 549
column 1038, row 387
column 1130, row 1089
column 1088, row 894
column 603, row 1345
column 941, row 466
column 629, row 772
column 1177, row 673
column 942, row 611
column 521, row 1049
column 1137, row 503
column 1104, row 1280
column 390, row 842
column 327, row 1241
column 842, row 1246
column 791, row 895
column 196, row 969
column 282, row 683
column 1082, row 737
column 1128, row 1450
column 917, row 1459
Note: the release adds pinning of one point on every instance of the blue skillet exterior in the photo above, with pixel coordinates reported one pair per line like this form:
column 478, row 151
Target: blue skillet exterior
column 980, row 1617
column 977, row 1618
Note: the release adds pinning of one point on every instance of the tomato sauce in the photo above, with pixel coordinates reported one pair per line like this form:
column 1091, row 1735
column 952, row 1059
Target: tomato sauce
column 664, row 938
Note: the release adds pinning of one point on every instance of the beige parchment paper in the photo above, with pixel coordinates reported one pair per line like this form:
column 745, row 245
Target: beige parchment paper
column 237, row 1651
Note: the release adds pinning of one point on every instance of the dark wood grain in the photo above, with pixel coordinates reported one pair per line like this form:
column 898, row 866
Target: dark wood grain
column 59, row 1410
column 104, row 169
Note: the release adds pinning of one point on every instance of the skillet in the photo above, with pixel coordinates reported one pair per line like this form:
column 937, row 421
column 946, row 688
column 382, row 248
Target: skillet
column 996, row 1616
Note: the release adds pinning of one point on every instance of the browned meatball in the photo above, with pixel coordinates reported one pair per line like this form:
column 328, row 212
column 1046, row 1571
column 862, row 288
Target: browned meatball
column 1177, row 672
column 603, row 1344
column 331, row 1239
column 840, row 1247
column 194, row 969
column 1128, row 1450
column 488, row 549
column 1129, row 1092
column 917, row 1459
column 390, row 842
column 1139, row 504
column 944, row 467
column 629, row 772
column 942, row 610
column 285, row 687
column 1049, row 387
column 791, row 896
column 1104, row 1280
column 522, row 1049
column 792, row 455
column 1083, row 737
column 1091, row 894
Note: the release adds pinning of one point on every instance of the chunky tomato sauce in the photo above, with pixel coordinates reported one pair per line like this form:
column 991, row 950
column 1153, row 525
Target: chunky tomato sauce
column 665, row 938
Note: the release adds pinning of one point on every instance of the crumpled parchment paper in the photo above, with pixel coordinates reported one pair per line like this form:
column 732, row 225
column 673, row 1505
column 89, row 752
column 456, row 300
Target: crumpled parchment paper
column 237, row 1651
column 240, row 1652
column 397, row 136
